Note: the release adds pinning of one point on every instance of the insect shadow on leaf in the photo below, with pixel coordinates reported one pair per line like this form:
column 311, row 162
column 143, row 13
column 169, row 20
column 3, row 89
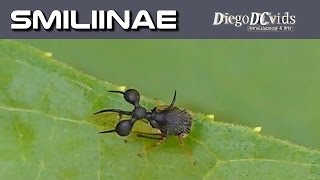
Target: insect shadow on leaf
column 169, row 121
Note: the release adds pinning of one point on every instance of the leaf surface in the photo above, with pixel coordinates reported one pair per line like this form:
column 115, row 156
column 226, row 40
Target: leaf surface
column 47, row 131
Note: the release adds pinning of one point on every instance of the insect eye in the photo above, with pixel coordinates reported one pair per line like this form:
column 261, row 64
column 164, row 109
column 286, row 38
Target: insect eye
column 132, row 96
column 124, row 128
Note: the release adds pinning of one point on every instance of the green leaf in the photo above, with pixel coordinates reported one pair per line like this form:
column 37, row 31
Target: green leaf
column 47, row 131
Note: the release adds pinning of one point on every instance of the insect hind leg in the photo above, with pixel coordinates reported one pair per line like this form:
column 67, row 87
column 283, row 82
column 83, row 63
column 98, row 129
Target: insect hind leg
column 186, row 150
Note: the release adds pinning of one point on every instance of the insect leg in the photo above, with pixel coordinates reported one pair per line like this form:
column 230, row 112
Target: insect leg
column 114, row 110
column 145, row 121
column 186, row 150
column 120, row 117
column 181, row 140
column 160, row 140
column 146, row 133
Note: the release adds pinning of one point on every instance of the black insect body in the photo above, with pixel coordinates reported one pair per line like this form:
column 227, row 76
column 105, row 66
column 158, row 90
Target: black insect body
column 173, row 121
column 170, row 121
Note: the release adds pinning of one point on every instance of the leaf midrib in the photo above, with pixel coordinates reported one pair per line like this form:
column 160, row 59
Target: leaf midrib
column 8, row 108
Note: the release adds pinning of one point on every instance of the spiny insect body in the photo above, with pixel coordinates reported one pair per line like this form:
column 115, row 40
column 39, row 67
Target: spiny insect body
column 170, row 121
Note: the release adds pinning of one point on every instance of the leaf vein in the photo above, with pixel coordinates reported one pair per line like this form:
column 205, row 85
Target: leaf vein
column 7, row 108
column 214, row 168
column 213, row 154
column 100, row 159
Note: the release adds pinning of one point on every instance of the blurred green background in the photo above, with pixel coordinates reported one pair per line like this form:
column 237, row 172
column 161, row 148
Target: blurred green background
column 269, row 83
